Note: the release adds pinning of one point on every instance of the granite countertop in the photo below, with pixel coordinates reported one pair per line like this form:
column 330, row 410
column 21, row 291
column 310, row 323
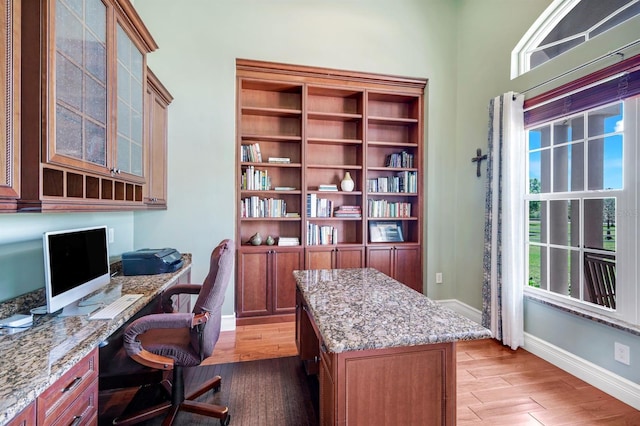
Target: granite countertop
column 357, row 309
column 33, row 359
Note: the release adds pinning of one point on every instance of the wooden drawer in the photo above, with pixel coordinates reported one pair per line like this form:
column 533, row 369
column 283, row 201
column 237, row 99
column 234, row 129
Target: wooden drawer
column 55, row 403
column 27, row 417
column 82, row 411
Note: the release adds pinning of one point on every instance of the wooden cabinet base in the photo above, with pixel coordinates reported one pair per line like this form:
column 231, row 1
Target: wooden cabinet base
column 414, row 385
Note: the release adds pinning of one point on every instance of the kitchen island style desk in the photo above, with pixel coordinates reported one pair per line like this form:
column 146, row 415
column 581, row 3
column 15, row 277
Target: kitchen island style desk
column 50, row 370
column 384, row 353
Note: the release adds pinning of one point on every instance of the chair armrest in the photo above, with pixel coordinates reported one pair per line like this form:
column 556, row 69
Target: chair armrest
column 136, row 351
column 167, row 303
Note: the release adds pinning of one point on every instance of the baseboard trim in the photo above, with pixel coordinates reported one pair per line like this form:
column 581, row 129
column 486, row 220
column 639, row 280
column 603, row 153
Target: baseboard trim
column 608, row 382
column 228, row 323
column 463, row 309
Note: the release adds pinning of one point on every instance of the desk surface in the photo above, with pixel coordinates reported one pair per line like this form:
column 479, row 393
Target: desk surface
column 356, row 309
column 32, row 360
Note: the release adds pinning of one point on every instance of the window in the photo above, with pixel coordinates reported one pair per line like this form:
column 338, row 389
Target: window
column 575, row 182
column 567, row 24
column 583, row 222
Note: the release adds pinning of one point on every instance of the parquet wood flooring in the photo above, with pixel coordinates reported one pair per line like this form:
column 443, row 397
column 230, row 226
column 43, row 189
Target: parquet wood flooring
column 495, row 385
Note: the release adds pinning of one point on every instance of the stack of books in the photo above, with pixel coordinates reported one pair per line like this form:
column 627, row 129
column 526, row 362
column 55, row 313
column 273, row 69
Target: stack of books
column 348, row 211
column 288, row 241
column 327, row 187
column 280, row 160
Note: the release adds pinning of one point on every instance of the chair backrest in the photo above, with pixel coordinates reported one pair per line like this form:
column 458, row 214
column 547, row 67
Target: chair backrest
column 211, row 296
column 600, row 278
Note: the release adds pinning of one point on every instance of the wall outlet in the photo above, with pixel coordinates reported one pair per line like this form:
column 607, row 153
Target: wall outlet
column 438, row 277
column 111, row 235
column 622, row 353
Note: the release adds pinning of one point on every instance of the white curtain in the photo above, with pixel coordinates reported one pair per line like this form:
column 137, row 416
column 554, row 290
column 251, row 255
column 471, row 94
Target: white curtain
column 504, row 249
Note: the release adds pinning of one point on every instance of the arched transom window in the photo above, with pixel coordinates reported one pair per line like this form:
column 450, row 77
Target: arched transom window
column 567, row 24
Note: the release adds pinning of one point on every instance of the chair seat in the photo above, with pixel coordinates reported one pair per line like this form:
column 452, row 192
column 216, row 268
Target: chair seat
column 173, row 343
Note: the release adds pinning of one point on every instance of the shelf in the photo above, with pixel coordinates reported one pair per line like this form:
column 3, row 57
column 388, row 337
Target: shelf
column 275, row 165
column 326, row 141
column 392, row 169
column 333, row 116
column 392, row 144
column 274, row 137
column 272, row 112
column 392, row 120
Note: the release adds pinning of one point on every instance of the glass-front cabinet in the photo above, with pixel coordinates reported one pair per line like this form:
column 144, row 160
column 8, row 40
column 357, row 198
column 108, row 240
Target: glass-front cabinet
column 86, row 84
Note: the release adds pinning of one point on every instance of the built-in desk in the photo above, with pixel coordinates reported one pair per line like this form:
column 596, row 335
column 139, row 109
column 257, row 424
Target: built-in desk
column 33, row 360
column 384, row 353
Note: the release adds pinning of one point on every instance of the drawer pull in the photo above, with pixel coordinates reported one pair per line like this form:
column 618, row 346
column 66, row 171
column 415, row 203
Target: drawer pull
column 73, row 384
column 76, row 421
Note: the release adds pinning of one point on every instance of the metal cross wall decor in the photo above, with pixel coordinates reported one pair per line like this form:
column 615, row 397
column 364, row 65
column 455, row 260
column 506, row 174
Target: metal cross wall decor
column 478, row 159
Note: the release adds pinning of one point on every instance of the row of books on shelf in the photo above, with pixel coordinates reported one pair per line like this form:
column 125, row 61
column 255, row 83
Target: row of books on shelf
column 322, row 207
column 399, row 159
column 251, row 153
column 321, row 234
column 404, row 182
column 318, row 207
column 384, row 208
column 254, row 179
column 263, row 207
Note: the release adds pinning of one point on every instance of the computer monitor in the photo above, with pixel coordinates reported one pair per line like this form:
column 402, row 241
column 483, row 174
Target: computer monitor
column 76, row 264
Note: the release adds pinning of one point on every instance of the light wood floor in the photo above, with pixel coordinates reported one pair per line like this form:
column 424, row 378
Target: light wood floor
column 496, row 386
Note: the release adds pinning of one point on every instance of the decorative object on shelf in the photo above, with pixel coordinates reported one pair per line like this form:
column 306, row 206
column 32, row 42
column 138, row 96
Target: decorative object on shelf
column 256, row 239
column 270, row 241
column 385, row 231
column 347, row 183
column 478, row 159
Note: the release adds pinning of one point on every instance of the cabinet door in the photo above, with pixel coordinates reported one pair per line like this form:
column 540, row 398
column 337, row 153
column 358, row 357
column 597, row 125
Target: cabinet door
column 381, row 258
column 408, row 268
column 157, row 103
column 79, row 131
column 328, row 403
column 319, row 258
column 130, row 79
column 252, row 284
column 10, row 104
column 283, row 283
column 27, row 417
column 349, row 257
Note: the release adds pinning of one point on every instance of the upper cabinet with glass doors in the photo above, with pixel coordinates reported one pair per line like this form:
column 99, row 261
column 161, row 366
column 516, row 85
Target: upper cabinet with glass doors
column 84, row 65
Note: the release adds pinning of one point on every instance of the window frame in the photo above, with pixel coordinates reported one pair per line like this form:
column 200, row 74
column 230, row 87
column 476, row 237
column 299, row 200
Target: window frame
column 592, row 91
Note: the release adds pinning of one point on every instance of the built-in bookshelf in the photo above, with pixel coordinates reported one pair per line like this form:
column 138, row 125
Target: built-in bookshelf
column 301, row 130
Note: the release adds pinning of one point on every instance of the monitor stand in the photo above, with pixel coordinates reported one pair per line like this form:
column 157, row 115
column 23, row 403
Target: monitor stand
column 90, row 304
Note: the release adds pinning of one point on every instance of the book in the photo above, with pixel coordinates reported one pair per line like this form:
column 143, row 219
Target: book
column 285, row 188
column 284, row 160
column 327, row 187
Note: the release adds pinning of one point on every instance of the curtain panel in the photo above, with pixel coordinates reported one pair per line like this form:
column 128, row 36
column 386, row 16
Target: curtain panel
column 504, row 247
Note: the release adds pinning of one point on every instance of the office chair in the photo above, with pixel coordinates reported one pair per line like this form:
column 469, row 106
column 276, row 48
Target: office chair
column 173, row 341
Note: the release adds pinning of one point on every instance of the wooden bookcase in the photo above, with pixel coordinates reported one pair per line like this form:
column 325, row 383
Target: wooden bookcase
column 325, row 123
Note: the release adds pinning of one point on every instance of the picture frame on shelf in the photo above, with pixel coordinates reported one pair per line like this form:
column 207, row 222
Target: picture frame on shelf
column 384, row 231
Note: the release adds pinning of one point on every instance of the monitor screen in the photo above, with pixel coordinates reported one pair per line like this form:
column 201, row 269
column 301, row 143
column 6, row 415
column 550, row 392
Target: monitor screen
column 76, row 263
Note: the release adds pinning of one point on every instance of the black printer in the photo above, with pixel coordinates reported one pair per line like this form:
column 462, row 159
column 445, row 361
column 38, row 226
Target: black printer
column 151, row 261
